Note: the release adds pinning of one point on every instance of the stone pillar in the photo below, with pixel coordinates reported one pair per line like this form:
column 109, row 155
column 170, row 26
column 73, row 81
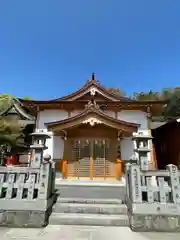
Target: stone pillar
column 38, row 146
column 142, row 148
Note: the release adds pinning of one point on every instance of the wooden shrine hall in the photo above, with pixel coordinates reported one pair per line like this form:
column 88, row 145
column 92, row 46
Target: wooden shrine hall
column 91, row 130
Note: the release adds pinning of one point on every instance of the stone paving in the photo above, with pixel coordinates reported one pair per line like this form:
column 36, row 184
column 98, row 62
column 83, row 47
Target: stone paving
column 82, row 233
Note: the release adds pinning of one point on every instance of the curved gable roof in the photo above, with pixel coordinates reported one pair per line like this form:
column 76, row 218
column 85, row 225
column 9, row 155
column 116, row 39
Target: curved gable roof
column 92, row 110
column 93, row 86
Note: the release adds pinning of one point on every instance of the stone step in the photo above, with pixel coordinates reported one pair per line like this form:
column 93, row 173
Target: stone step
column 90, row 208
column 90, row 200
column 116, row 191
column 88, row 219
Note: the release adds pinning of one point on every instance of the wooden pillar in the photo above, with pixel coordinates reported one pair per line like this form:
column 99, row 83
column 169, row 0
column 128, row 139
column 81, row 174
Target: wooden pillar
column 119, row 162
column 65, row 160
column 64, row 168
column 119, row 169
column 152, row 160
column 91, row 168
column 152, row 164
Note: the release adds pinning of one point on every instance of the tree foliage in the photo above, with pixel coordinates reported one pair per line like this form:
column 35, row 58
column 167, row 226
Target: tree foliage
column 172, row 109
column 27, row 98
column 6, row 101
column 7, row 126
column 116, row 91
column 165, row 94
column 11, row 133
column 171, row 95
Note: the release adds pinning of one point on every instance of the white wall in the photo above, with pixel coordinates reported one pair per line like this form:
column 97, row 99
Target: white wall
column 127, row 144
column 127, row 148
column 49, row 116
column 58, row 147
column 138, row 117
column 55, row 144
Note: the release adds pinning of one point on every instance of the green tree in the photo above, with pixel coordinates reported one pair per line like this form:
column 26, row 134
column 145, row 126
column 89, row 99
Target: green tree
column 172, row 109
column 27, row 98
column 6, row 101
column 146, row 96
column 164, row 94
column 116, row 91
column 11, row 133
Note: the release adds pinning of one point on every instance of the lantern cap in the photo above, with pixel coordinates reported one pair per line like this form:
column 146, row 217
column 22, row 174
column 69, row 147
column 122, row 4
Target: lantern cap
column 40, row 134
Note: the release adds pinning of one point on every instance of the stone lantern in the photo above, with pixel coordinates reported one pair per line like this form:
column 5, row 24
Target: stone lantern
column 142, row 148
column 38, row 146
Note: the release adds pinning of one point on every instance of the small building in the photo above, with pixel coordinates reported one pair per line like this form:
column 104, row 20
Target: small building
column 16, row 122
column 91, row 130
column 167, row 144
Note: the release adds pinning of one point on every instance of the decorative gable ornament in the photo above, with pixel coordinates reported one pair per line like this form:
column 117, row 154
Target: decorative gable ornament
column 92, row 105
column 92, row 121
column 93, row 91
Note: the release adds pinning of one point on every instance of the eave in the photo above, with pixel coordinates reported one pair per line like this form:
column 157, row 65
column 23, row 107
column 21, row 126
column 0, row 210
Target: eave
column 147, row 106
column 19, row 108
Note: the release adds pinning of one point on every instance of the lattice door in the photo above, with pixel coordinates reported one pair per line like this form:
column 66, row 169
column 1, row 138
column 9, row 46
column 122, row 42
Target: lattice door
column 111, row 159
column 84, row 160
column 79, row 165
column 104, row 163
column 99, row 158
column 74, row 148
column 92, row 159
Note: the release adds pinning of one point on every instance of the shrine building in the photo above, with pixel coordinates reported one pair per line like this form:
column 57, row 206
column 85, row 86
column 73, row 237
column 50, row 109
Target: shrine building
column 91, row 131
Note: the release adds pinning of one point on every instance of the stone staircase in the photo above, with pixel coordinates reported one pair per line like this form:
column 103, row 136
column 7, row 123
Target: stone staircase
column 90, row 203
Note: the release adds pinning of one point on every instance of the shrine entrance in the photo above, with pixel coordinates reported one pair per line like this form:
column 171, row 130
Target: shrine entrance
column 92, row 159
column 91, row 144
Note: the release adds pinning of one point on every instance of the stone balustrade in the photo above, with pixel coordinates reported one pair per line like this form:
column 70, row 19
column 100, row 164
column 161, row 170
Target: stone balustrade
column 27, row 193
column 153, row 198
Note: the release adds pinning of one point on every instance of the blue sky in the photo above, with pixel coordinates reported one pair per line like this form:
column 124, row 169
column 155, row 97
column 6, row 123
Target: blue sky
column 50, row 48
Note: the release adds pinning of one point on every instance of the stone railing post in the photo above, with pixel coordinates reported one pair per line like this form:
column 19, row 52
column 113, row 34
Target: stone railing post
column 174, row 182
column 135, row 184
column 47, row 168
column 53, row 175
column 44, row 181
column 127, row 178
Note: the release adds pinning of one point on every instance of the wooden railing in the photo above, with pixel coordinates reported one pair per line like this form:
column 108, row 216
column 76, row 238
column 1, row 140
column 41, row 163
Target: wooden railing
column 119, row 169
